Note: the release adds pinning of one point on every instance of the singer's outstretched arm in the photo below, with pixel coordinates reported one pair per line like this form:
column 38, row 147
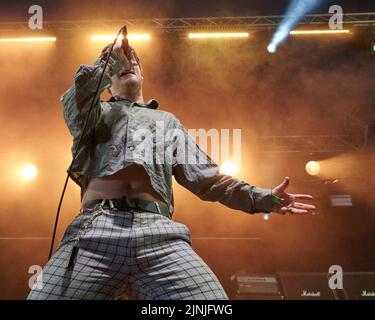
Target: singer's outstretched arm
column 207, row 182
column 194, row 170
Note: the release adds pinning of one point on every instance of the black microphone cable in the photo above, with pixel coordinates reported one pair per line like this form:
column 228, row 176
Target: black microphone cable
column 123, row 30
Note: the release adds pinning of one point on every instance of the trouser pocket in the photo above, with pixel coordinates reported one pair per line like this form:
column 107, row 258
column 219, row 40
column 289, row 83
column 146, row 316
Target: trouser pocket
column 81, row 224
column 76, row 229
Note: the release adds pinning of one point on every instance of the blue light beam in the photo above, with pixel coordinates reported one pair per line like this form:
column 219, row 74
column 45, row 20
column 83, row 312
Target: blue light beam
column 295, row 12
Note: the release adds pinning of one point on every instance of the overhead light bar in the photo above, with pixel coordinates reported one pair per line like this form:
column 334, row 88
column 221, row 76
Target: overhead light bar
column 31, row 39
column 111, row 37
column 217, row 35
column 318, row 32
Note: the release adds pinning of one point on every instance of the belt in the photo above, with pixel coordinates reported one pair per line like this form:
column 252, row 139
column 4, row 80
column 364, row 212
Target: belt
column 125, row 203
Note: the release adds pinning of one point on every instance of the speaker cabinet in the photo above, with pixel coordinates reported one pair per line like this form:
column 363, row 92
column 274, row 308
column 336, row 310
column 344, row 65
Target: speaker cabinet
column 256, row 287
column 314, row 286
column 305, row 286
column 359, row 285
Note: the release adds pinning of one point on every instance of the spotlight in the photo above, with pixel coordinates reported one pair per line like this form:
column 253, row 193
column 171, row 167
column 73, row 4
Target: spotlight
column 39, row 39
column 271, row 48
column 295, row 12
column 373, row 48
column 217, row 35
column 28, row 171
column 313, row 168
column 229, row 168
column 111, row 37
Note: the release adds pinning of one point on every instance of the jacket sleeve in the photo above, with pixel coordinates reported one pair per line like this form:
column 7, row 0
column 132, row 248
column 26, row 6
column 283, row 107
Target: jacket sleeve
column 194, row 170
column 76, row 101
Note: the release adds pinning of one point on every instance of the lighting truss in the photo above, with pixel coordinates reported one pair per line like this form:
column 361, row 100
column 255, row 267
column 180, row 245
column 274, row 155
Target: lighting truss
column 181, row 25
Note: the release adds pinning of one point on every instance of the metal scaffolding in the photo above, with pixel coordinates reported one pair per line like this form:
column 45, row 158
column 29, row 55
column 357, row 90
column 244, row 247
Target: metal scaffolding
column 176, row 25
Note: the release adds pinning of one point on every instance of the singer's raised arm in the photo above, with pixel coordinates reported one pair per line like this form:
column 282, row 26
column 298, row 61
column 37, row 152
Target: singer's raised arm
column 77, row 99
column 76, row 102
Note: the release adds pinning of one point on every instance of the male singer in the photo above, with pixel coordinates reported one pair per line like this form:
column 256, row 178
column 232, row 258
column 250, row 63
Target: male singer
column 124, row 238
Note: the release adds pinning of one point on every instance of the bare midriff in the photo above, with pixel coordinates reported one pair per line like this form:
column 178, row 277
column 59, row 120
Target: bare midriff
column 132, row 182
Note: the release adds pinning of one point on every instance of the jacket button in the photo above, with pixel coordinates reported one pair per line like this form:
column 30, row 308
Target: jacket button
column 131, row 148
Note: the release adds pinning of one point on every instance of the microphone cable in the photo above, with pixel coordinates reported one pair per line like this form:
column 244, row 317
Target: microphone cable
column 123, row 30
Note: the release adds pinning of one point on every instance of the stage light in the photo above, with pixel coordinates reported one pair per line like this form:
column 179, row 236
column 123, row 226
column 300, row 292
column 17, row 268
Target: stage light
column 313, row 168
column 38, row 39
column 28, row 171
column 319, row 32
column 111, row 37
column 373, row 48
column 218, row 35
column 229, row 168
column 295, row 12
column 271, row 48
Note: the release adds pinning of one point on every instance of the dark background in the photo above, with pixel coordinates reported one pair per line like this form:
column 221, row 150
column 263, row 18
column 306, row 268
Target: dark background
column 310, row 87
column 85, row 9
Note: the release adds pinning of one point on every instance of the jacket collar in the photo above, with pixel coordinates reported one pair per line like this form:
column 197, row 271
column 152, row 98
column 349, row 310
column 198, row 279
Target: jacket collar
column 150, row 104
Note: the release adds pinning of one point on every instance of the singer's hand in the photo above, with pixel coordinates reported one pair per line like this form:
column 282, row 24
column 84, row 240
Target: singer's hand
column 118, row 48
column 291, row 202
column 129, row 52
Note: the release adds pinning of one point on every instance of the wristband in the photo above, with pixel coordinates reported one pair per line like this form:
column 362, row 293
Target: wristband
column 277, row 200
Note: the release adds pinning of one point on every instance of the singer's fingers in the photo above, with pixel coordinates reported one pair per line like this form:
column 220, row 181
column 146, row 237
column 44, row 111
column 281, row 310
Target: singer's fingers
column 302, row 196
column 300, row 205
column 128, row 49
column 117, row 47
column 106, row 48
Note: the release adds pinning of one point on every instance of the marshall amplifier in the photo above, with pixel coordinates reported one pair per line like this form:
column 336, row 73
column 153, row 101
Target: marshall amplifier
column 305, row 286
column 255, row 287
column 314, row 286
column 359, row 285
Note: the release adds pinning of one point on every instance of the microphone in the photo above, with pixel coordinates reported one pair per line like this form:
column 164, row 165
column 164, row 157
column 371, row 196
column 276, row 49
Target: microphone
column 128, row 50
column 124, row 44
column 125, row 41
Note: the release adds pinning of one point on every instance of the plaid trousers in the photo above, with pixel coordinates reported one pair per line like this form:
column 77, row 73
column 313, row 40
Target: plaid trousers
column 141, row 255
